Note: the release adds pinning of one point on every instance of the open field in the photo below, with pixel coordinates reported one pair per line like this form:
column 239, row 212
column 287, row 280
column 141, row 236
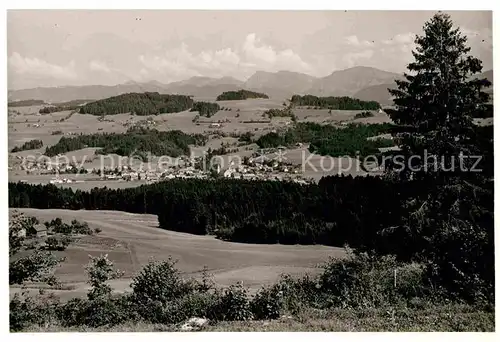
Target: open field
column 131, row 240
column 26, row 124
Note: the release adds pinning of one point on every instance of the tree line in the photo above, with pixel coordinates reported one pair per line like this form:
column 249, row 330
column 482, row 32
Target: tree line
column 331, row 140
column 332, row 102
column 29, row 145
column 240, row 95
column 205, row 108
column 136, row 141
column 139, row 104
column 54, row 109
column 338, row 210
column 26, row 103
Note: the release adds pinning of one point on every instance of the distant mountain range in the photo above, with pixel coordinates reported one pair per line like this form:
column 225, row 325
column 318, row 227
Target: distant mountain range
column 380, row 93
column 365, row 83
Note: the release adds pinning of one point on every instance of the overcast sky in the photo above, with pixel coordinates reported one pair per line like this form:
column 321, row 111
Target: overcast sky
column 54, row 48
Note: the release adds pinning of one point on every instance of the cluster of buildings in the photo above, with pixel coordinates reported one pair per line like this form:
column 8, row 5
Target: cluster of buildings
column 45, row 167
column 250, row 169
column 58, row 180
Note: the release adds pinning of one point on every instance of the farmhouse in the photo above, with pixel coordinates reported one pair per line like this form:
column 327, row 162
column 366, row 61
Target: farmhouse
column 38, row 230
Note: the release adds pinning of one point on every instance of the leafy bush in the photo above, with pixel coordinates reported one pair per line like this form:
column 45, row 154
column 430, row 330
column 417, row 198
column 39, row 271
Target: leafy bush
column 25, row 311
column 370, row 281
column 37, row 266
column 246, row 137
column 80, row 228
column 363, row 115
column 234, row 304
column 274, row 112
column 105, row 311
column 159, row 281
column 53, row 243
column 267, row 303
column 224, row 233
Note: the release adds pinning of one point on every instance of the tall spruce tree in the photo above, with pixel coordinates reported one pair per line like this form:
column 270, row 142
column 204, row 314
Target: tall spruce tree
column 449, row 224
column 436, row 103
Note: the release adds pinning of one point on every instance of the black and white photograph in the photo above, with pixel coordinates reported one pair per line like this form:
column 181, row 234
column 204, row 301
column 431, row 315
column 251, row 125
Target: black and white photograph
column 223, row 170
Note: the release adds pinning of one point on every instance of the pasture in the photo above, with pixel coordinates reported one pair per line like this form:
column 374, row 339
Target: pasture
column 131, row 240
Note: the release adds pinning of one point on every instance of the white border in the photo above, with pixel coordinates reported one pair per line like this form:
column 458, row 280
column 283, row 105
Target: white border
column 219, row 4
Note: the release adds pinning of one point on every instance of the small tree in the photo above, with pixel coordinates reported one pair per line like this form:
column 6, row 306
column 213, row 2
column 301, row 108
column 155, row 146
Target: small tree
column 100, row 270
column 159, row 281
column 37, row 266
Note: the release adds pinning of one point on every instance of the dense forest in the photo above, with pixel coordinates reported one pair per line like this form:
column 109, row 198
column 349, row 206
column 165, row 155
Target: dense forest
column 240, row 95
column 205, row 108
column 25, row 103
column 139, row 104
column 331, row 102
column 29, row 145
column 53, row 109
column 330, row 140
column 337, row 210
column 136, row 141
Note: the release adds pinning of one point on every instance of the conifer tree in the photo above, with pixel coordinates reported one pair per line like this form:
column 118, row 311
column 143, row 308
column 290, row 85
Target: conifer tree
column 449, row 224
column 437, row 101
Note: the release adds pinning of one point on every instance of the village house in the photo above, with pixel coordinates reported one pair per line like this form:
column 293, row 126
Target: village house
column 38, row 230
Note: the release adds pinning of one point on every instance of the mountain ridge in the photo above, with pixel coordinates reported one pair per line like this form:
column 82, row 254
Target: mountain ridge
column 365, row 83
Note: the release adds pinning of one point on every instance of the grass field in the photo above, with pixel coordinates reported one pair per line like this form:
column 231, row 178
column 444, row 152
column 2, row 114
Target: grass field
column 26, row 124
column 131, row 240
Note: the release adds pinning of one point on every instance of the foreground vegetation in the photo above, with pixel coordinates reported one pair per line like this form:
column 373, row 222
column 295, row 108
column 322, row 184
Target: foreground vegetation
column 359, row 292
column 240, row 95
column 136, row 141
column 139, row 104
column 331, row 102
